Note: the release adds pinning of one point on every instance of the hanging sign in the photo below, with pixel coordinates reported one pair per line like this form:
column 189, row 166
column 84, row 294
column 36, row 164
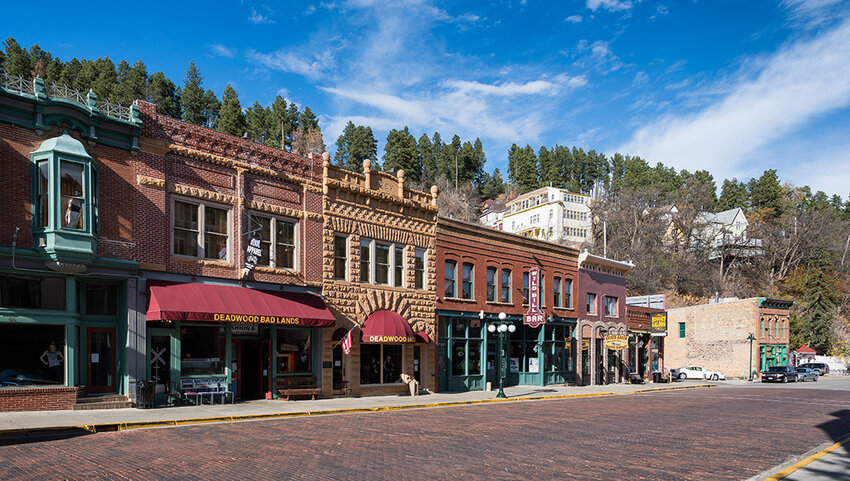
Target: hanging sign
column 616, row 342
column 534, row 318
column 659, row 322
column 252, row 255
column 244, row 329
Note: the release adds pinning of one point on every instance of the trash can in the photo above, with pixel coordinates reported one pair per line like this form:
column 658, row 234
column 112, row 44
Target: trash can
column 656, row 377
column 144, row 394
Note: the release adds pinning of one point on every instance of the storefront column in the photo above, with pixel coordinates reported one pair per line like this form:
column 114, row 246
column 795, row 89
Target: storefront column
column 228, row 354
column 579, row 354
column 273, row 355
column 72, row 354
column 606, row 373
column 591, row 357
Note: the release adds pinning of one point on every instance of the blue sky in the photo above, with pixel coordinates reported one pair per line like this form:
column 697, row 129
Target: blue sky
column 729, row 86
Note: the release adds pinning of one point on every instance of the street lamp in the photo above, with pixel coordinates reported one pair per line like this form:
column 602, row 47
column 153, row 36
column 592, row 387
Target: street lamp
column 751, row 338
column 501, row 327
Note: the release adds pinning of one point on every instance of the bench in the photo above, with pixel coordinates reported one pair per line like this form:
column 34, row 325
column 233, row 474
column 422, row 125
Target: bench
column 198, row 389
column 288, row 386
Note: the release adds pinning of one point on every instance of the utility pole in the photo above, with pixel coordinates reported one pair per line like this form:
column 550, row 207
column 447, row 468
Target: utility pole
column 455, row 170
column 604, row 237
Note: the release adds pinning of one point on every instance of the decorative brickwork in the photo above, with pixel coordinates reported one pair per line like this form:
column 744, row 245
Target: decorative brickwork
column 369, row 205
column 38, row 398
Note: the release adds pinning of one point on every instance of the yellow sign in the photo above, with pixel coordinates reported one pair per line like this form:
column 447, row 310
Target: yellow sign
column 585, row 344
column 659, row 322
column 256, row 319
column 616, row 342
column 386, row 339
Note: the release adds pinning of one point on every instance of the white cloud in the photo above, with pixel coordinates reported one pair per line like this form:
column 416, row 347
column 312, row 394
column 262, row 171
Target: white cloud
column 510, row 89
column 288, row 61
column 797, row 84
column 259, row 18
column 641, row 78
column 574, row 19
column 610, row 5
column 222, row 51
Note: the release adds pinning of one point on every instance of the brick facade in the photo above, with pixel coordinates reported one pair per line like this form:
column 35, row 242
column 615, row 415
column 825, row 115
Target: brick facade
column 377, row 206
column 715, row 335
column 38, row 399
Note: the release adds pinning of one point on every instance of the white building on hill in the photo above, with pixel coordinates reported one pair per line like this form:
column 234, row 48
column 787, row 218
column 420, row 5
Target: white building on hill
column 547, row 213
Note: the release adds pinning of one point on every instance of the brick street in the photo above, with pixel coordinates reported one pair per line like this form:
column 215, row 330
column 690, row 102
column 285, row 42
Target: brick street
column 722, row 433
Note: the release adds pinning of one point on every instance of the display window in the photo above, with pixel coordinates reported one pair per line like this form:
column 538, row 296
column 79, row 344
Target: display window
column 294, row 351
column 32, row 355
column 202, row 350
column 380, row 363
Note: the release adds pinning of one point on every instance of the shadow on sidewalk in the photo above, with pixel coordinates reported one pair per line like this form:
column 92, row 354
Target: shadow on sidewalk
column 42, row 437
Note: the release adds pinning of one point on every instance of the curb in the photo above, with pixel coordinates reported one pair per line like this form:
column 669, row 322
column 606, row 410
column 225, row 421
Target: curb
column 125, row 426
column 808, row 460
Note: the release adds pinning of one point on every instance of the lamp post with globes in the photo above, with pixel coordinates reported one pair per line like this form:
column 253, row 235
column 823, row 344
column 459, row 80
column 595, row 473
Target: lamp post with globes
column 751, row 338
column 502, row 327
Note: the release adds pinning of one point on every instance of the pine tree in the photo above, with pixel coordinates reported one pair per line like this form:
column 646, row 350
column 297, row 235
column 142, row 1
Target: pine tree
column 479, row 158
column 70, row 72
column 820, row 301
column 192, row 97
column 513, row 160
column 439, row 156
column 526, row 170
column 562, row 164
column 425, row 150
column 354, row 145
column 163, row 93
column 258, row 122
column 231, row 120
column 766, row 193
column 132, row 82
column 40, row 59
column 18, row 62
column 212, row 106
column 283, row 133
column 307, row 119
column 732, row 194
column 492, row 185
column 400, row 153
column 546, row 167
column 105, row 81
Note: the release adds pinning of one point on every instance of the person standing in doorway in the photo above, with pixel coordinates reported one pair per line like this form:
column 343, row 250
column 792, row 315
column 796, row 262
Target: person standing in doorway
column 53, row 359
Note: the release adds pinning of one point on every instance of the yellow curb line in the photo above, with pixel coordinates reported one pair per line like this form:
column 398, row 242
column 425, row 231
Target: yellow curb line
column 124, row 426
column 804, row 462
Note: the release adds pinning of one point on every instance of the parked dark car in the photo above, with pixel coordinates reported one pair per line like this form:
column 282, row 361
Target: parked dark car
column 821, row 368
column 806, row 374
column 779, row 374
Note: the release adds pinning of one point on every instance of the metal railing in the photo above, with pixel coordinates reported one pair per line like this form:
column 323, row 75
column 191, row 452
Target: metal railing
column 56, row 91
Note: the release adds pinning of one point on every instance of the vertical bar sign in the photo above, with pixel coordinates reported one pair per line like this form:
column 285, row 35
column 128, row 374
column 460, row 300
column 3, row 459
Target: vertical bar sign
column 534, row 317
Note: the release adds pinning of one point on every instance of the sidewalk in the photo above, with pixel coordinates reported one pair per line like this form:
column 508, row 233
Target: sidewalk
column 21, row 424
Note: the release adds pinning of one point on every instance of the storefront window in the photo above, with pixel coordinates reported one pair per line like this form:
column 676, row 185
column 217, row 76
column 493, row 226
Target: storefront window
column 465, row 348
column 202, row 350
column 25, row 292
column 294, row 351
column 524, row 349
column 554, row 354
column 380, row 363
column 31, row 355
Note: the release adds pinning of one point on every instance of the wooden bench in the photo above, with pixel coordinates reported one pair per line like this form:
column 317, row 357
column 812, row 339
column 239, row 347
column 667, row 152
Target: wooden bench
column 288, row 386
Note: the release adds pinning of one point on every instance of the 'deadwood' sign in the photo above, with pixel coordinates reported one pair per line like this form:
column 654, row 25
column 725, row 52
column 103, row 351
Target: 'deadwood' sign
column 534, row 317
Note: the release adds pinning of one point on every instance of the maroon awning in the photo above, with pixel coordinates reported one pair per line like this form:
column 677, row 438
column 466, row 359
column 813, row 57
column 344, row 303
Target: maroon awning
column 387, row 327
column 207, row 302
column 422, row 336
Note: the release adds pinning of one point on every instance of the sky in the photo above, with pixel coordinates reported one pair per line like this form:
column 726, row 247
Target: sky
column 732, row 87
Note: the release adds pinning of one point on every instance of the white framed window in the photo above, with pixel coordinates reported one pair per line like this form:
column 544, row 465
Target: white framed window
column 381, row 263
column 200, row 229
column 278, row 241
column 610, row 306
column 591, row 303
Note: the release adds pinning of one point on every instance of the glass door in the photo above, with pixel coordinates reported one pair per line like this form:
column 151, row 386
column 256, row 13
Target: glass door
column 101, row 360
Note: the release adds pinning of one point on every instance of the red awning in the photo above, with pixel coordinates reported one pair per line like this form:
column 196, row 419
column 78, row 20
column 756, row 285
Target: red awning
column 207, row 302
column 422, row 336
column 387, row 327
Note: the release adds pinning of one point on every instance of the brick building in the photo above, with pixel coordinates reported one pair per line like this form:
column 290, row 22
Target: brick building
column 68, row 254
column 379, row 276
column 647, row 330
column 601, row 324
column 483, row 272
column 715, row 336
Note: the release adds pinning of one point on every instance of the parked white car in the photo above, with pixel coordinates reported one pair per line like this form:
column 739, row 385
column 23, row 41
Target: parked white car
column 696, row 372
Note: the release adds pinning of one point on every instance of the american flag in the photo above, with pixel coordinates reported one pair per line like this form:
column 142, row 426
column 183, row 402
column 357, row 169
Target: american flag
column 346, row 342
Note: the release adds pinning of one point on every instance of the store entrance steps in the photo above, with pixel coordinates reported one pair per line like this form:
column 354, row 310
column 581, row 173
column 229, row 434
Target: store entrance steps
column 104, row 401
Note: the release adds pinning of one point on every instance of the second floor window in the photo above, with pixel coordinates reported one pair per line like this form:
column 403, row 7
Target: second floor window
column 340, row 257
column 556, row 287
column 381, row 263
column 419, row 269
column 73, row 196
column 568, row 293
column 610, row 306
column 450, row 281
column 525, row 287
column 466, row 287
column 277, row 241
column 506, row 285
column 200, row 230
column 591, row 303
column 491, row 283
